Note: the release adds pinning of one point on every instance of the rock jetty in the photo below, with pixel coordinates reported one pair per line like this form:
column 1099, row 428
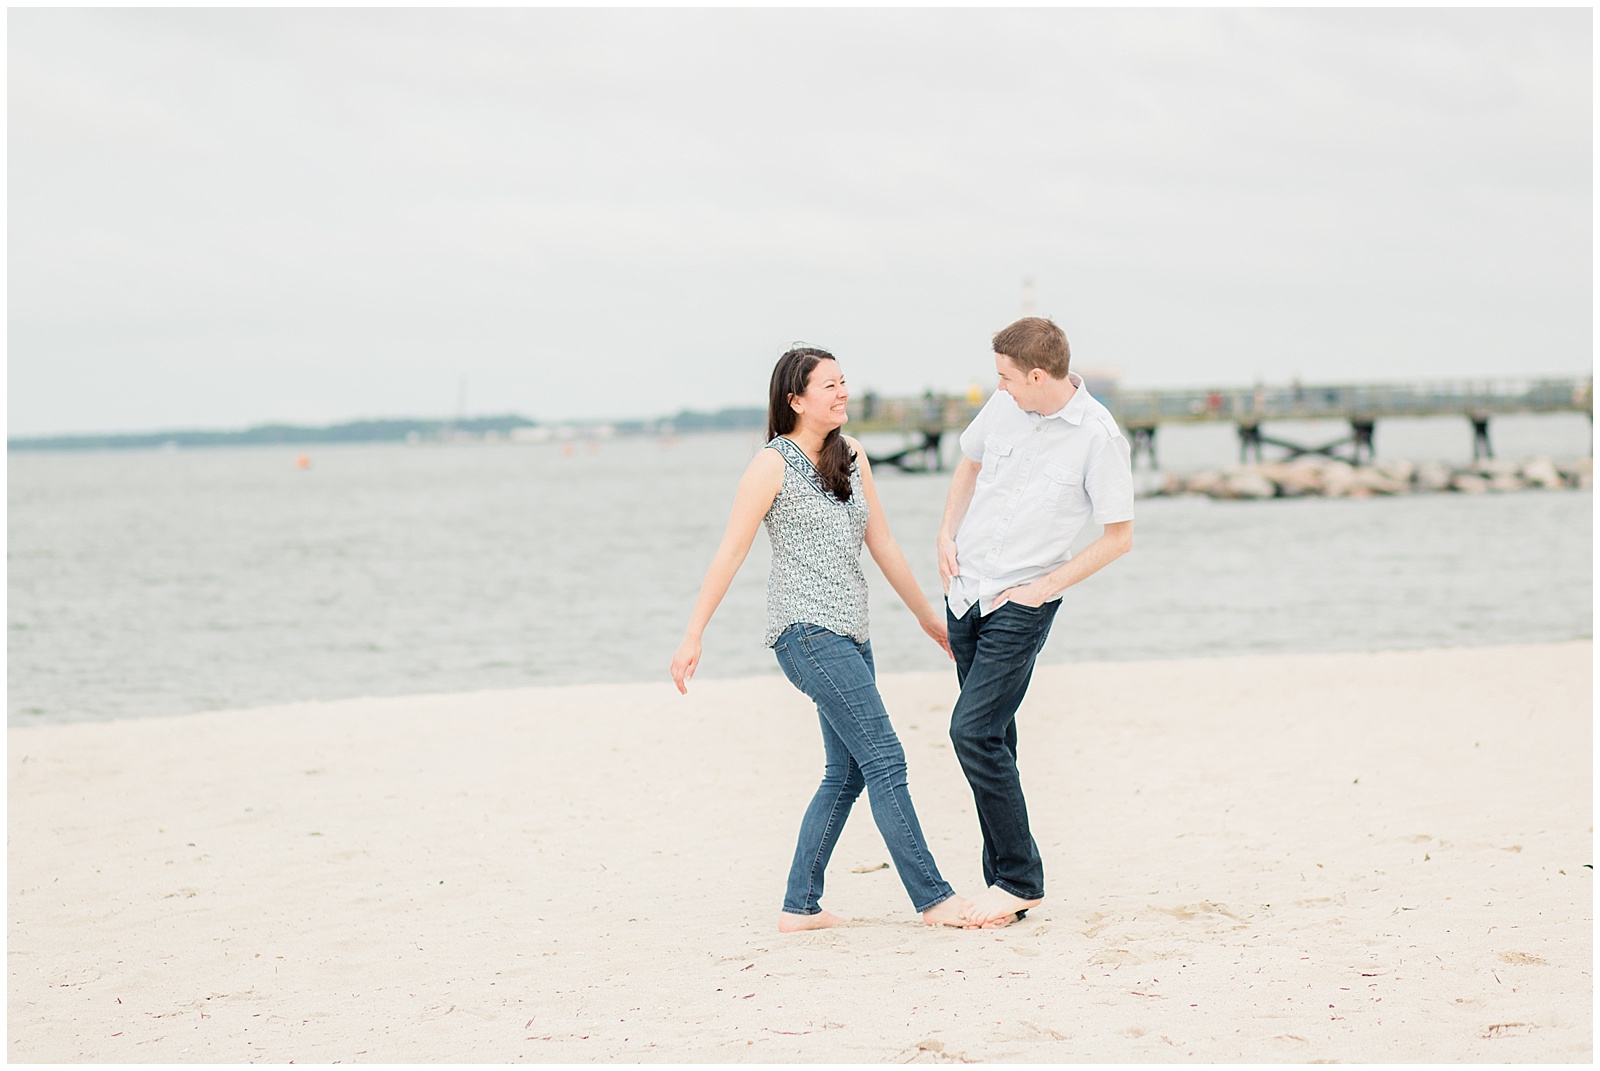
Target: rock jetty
column 1327, row 478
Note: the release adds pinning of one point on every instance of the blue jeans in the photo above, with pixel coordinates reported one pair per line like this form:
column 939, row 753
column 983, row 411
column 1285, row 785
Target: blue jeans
column 994, row 663
column 860, row 750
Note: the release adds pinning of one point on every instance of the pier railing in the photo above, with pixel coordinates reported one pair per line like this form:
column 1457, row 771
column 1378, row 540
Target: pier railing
column 931, row 412
column 1140, row 413
column 1351, row 401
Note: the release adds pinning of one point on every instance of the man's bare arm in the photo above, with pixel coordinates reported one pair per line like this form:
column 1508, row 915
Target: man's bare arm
column 956, row 502
column 1115, row 541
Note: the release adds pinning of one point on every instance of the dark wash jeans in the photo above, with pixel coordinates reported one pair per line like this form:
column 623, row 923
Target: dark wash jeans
column 994, row 663
column 860, row 750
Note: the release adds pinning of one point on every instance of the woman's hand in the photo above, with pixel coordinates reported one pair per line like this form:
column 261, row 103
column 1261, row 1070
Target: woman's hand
column 934, row 625
column 685, row 662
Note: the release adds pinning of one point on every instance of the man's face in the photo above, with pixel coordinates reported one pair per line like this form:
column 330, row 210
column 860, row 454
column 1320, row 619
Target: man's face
column 1022, row 386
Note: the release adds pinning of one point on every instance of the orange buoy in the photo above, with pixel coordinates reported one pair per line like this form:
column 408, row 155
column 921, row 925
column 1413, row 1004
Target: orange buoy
column 302, row 462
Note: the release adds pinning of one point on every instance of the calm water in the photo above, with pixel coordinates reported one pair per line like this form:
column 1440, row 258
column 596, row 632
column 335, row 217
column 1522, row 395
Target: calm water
column 151, row 583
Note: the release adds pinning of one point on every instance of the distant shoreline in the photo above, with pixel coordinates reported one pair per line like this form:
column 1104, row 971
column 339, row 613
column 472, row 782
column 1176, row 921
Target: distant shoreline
column 508, row 427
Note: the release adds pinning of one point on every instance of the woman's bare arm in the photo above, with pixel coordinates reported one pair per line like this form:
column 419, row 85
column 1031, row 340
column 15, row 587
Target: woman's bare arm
column 762, row 481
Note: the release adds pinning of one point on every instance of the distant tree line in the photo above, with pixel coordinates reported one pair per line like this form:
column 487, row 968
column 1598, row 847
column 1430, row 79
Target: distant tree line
column 721, row 420
column 356, row 431
column 375, row 431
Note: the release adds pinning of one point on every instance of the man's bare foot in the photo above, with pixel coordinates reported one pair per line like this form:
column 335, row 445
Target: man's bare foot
column 995, row 905
column 946, row 912
column 788, row 922
column 999, row 923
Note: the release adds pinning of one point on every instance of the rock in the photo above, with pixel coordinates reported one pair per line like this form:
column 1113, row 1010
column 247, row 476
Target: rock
column 1377, row 482
column 1333, row 478
column 1489, row 468
column 1171, row 484
column 1400, row 472
column 1339, row 480
column 1298, row 478
column 1576, row 472
column 1506, row 481
column 1248, row 483
column 1433, row 477
column 1542, row 472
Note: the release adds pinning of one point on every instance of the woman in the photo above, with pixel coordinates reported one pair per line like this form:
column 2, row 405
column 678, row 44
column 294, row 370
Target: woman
column 813, row 488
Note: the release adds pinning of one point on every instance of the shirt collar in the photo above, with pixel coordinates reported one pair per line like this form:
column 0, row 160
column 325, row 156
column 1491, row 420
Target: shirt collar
column 1073, row 412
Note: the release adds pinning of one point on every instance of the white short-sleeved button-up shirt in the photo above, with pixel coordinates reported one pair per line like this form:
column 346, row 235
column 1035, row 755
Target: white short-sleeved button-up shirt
column 1043, row 478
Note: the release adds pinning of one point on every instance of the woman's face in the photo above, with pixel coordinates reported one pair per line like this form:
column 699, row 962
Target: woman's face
column 823, row 403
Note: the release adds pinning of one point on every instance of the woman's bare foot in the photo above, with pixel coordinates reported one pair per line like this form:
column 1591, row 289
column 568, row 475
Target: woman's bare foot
column 946, row 912
column 995, row 905
column 788, row 922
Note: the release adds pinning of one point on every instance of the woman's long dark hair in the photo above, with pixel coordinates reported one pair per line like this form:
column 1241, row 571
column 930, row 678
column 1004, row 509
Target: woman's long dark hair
column 789, row 377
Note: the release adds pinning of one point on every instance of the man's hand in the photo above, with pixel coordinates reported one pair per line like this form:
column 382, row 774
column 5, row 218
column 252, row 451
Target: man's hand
column 948, row 569
column 956, row 501
column 1032, row 595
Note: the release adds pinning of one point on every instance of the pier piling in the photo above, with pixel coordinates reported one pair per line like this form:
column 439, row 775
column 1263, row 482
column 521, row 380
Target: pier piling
column 1481, row 451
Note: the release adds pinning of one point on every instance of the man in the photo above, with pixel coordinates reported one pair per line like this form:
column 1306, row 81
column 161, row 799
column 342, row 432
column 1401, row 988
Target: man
column 1039, row 460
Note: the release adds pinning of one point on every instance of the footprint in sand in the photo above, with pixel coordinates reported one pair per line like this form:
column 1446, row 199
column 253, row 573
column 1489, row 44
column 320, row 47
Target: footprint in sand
column 1523, row 957
column 1507, row 1030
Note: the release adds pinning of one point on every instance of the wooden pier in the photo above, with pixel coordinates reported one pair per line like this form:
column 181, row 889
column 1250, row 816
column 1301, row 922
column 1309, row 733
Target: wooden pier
column 922, row 422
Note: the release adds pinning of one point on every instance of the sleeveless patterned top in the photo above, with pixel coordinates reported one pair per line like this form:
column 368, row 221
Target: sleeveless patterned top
column 816, row 576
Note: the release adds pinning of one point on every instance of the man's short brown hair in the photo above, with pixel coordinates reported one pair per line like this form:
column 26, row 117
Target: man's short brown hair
column 1034, row 342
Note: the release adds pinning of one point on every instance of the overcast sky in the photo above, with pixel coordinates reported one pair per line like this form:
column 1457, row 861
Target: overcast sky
column 225, row 217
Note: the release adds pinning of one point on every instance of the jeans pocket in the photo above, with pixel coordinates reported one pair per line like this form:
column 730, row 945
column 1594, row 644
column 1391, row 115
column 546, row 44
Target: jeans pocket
column 1024, row 623
column 807, row 636
column 793, row 634
column 786, row 663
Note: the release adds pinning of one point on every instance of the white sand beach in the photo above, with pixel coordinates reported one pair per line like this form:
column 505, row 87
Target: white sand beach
column 1339, row 857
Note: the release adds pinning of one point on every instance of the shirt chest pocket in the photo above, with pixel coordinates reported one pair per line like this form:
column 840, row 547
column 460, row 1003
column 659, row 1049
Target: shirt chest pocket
column 997, row 459
column 1063, row 488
